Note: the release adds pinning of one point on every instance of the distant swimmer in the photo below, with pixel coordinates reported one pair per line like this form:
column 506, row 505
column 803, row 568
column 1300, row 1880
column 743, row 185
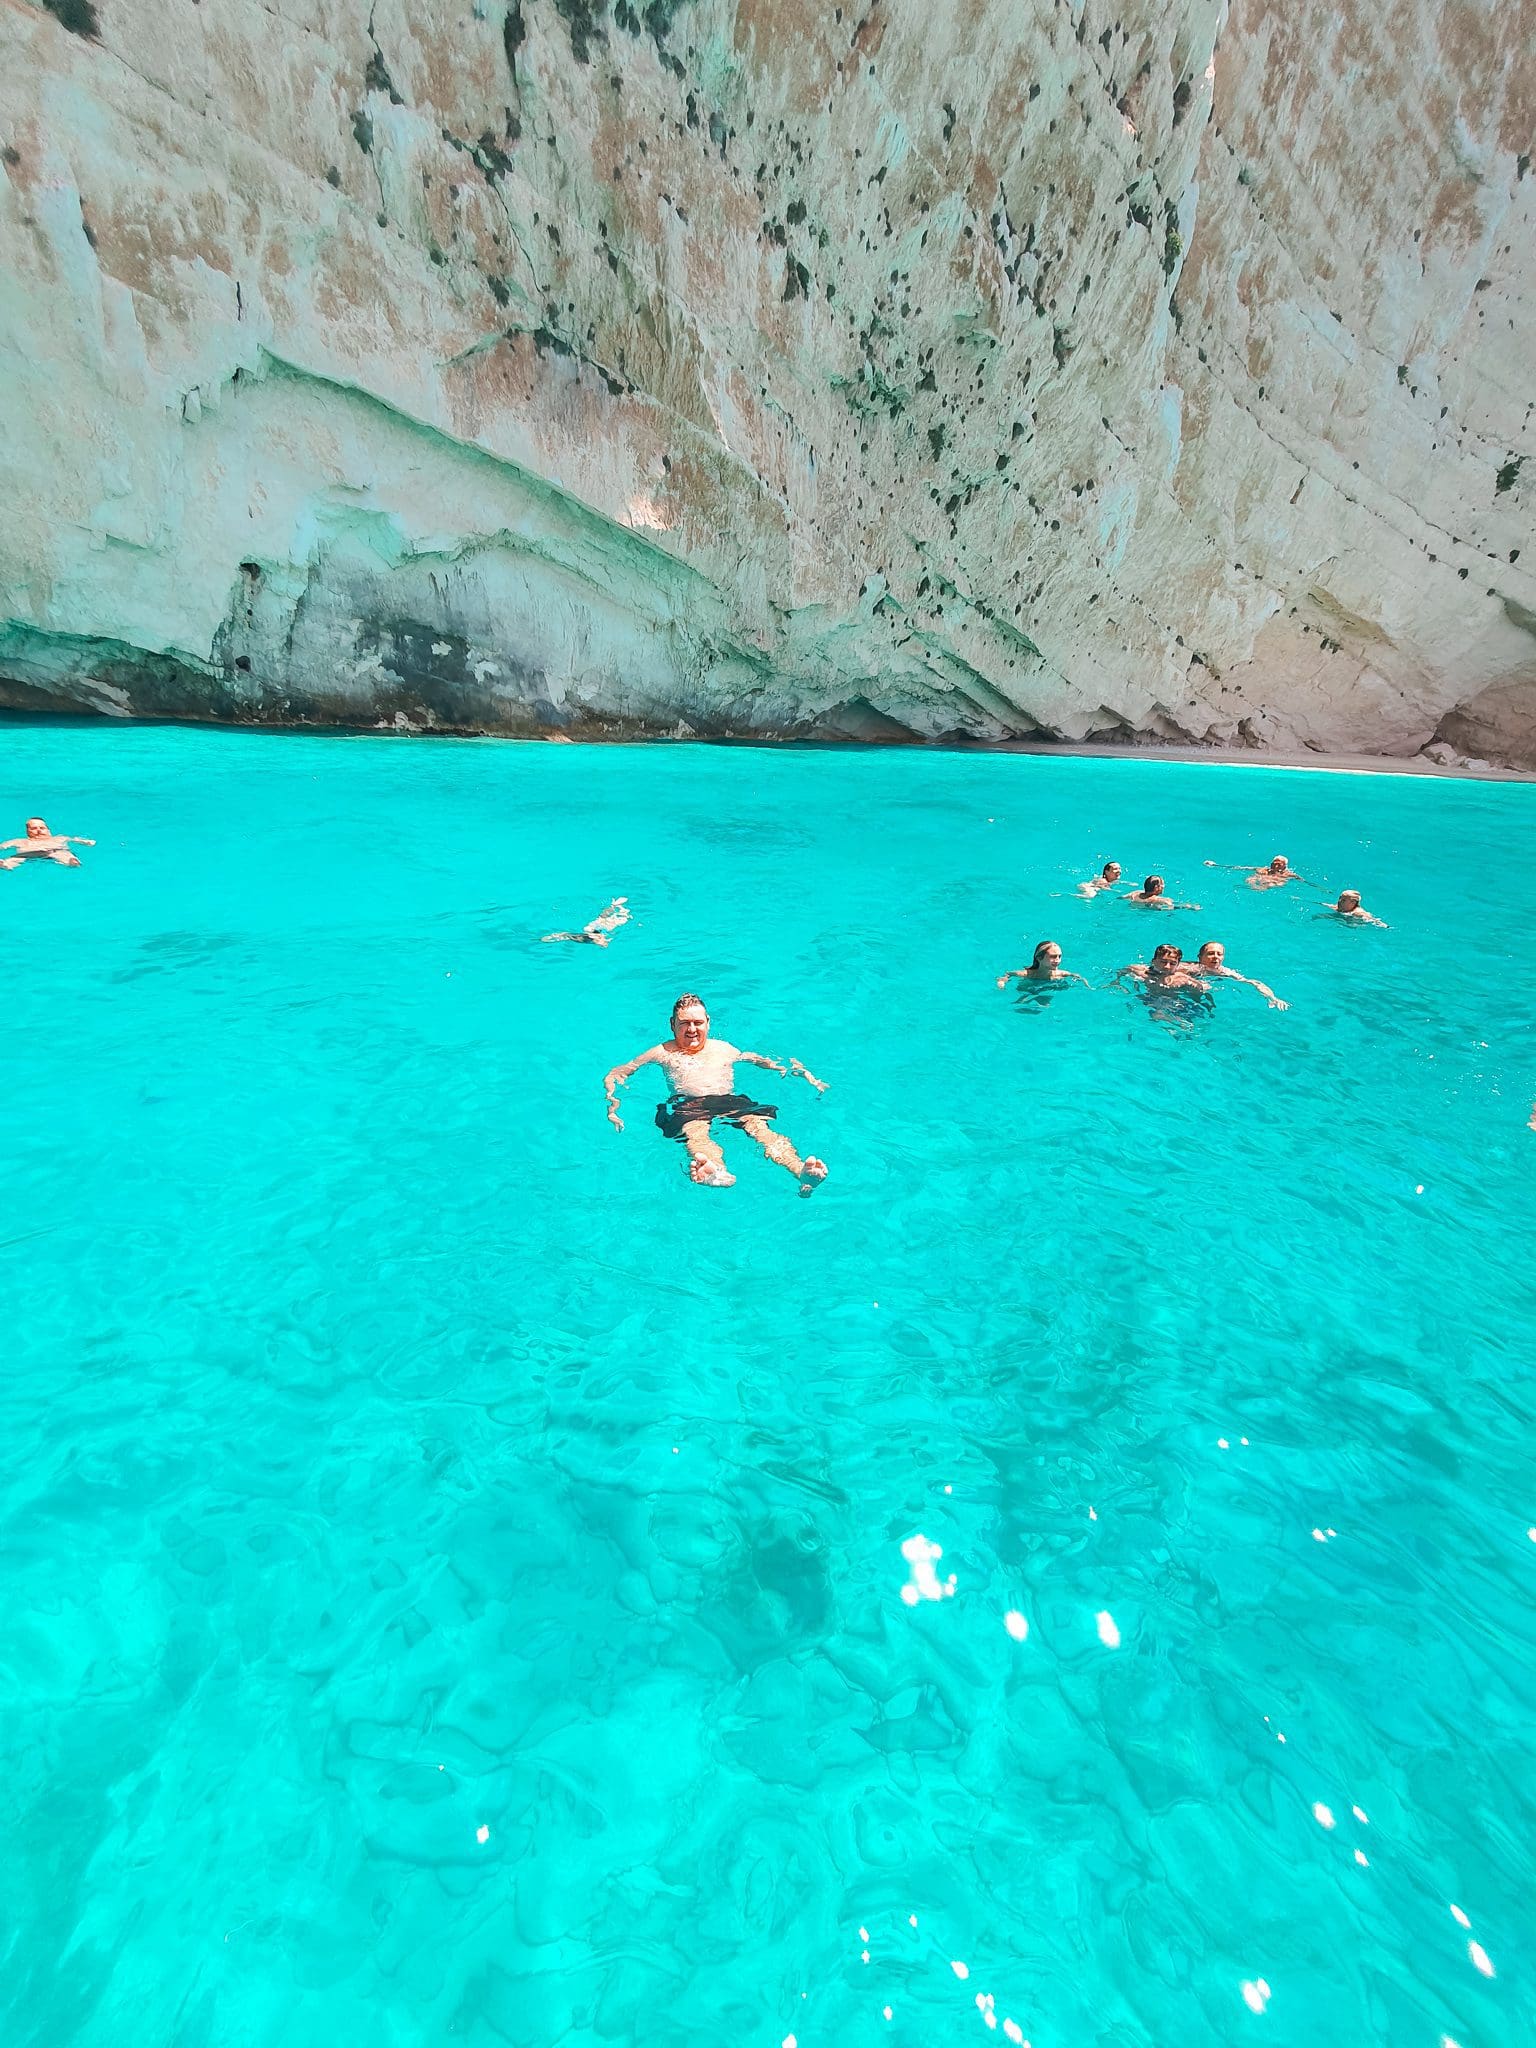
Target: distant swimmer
column 1348, row 907
column 703, row 1078
column 1106, row 878
column 596, row 932
column 1045, row 967
column 41, row 844
column 1151, row 892
column 1278, row 872
column 1169, row 986
column 1212, row 961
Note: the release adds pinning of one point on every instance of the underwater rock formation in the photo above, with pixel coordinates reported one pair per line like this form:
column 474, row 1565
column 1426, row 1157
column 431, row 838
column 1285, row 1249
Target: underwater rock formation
column 748, row 366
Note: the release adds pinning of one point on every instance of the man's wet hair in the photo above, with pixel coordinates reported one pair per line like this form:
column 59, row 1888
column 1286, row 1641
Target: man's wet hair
column 1043, row 945
column 1349, row 892
column 1146, row 887
column 1165, row 948
column 684, row 1000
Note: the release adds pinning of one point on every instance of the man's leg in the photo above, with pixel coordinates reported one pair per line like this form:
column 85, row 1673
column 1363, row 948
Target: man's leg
column 706, row 1162
column 807, row 1171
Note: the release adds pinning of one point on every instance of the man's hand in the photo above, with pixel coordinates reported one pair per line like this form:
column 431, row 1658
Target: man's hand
column 613, row 1116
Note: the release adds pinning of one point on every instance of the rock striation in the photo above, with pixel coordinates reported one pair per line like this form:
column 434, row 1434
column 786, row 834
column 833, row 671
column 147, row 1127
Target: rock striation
column 1114, row 371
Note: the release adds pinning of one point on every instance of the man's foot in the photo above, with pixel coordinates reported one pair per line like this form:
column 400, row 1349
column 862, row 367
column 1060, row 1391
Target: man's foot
column 812, row 1174
column 705, row 1173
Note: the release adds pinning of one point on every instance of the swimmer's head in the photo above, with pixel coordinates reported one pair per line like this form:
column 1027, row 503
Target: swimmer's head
column 1167, row 956
column 1111, row 871
column 1212, row 953
column 1279, row 864
column 690, row 1022
column 1349, row 899
column 36, row 829
column 1047, row 954
column 1152, row 886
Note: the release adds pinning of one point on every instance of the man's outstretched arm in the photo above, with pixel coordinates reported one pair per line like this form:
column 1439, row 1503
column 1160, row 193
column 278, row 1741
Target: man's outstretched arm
column 73, row 839
column 761, row 1059
column 615, row 1078
column 1263, row 988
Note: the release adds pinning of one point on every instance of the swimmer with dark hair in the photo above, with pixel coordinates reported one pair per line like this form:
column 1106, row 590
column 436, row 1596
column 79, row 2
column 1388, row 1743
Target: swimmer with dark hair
column 596, row 932
column 1106, row 878
column 1213, row 961
column 1348, row 909
column 1151, row 893
column 1272, row 876
column 1045, row 967
column 702, row 1072
column 1167, row 968
column 41, row 844
column 1169, row 986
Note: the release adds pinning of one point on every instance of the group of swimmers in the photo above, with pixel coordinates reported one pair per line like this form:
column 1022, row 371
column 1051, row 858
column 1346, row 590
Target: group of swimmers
column 1166, row 970
column 1173, row 987
column 1273, row 875
column 702, row 1070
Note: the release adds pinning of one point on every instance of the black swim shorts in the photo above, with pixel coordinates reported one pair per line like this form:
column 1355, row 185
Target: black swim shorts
column 678, row 1110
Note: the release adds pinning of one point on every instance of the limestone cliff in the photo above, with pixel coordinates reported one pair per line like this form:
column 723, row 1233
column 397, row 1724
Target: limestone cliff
column 917, row 366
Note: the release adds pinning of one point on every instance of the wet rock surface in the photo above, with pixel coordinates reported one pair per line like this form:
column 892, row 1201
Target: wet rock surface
column 737, row 366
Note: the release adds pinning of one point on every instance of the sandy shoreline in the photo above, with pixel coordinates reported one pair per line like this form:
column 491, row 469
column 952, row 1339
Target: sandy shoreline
column 1330, row 764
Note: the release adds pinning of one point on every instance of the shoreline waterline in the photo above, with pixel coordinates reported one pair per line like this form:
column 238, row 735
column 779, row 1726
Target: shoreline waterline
column 1084, row 750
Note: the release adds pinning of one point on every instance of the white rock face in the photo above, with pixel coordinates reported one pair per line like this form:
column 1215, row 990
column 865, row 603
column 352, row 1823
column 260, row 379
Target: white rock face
column 913, row 367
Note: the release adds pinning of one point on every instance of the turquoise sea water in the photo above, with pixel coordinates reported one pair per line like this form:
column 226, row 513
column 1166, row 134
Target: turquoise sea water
column 390, row 1451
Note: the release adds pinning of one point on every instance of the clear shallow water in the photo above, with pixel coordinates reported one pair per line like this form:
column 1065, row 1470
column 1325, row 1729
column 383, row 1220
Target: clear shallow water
column 390, row 1450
